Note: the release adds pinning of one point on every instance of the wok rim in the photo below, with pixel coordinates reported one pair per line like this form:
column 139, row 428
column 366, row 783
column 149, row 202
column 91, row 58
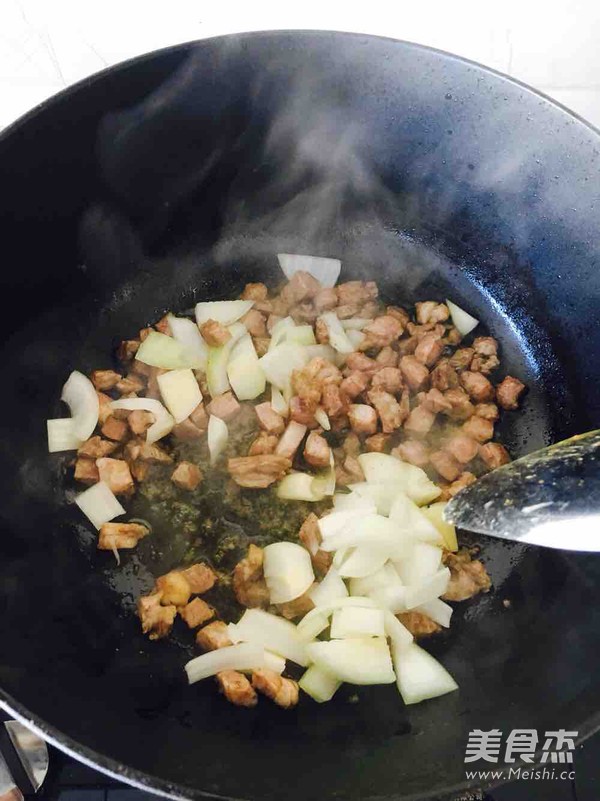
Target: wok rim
column 106, row 764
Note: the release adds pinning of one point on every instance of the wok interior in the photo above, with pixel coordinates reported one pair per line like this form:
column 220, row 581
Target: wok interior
column 108, row 219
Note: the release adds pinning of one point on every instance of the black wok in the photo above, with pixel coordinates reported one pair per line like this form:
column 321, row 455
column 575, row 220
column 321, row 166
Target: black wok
column 178, row 176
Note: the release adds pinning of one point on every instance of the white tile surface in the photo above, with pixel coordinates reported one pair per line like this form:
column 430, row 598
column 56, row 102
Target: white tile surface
column 46, row 45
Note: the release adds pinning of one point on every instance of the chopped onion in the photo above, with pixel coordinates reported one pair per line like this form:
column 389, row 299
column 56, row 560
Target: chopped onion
column 369, row 530
column 61, row 435
column 217, row 436
column 358, row 621
column 336, row 521
column 390, row 598
column 359, row 660
column 363, row 561
column 246, row 656
column 419, row 676
column 322, row 418
column 343, row 502
column 313, row 628
column 299, row 487
column 438, row 611
column 419, row 563
column 319, row 684
column 187, row 334
column 428, row 589
column 288, row 571
column 329, row 589
column 325, row 270
column 163, row 421
column 338, row 338
column 271, row 631
column 355, row 323
column 382, row 495
column 384, row 577
column 381, row 468
column 225, row 312
column 216, row 369
column 320, row 352
column 356, row 338
column 412, row 520
column 180, row 392
column 328, row 609
column 462, row 320
column 161, row 350
column 301, row 335
column 279, row 331
column 278, row 402
column 99, row 504
column 244, row 371
column 82, row 399
column 324, row 482
column 398, row 634
column 279, row 363
column 435, row 514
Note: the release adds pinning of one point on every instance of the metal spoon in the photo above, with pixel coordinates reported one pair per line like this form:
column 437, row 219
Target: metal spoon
column 550, row 497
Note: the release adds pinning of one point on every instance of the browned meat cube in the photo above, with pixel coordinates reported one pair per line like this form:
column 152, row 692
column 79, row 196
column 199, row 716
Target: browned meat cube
column 304, row 313
column 139, row 470
column 302, row 286
column 104, row 407
column 358, row 361
column 86, row 471
column 120, row 535
column 351, row 445
column 462, row 408
column 249, row 583
column 157, row 620
column 493, row 454
column 224, row 406
column 453, row 336
column 127, row 349
column 388, row 379
column 387, row 357
column 479, row 428
column 236, row 688
column 444, row 376
column 200, row 577
column 419, row 624
column 407, row 346
column 310, row 537
column 153, row 453
column 350, row 472
column 446, row 465
column 186, row 431
column 382, row 331
column 478, row 386
column 484, row 364
column 354, row 384
column 255, row 292
column 413, row 452
column 255, row 323
column 297, row 608
column 321, row 332
column 462, row 447
column 486, row 346
column 339, row 423
column 115, row 429
column 199, row 417
column 388, row 409
column 145, row 332
column 400, row 314
column 431, row 312
column 213, row 636
column 105, row 379
column 420, row 421
column 363, row 418
column 461, row 359
column 352, row 295
column 214, row 333
column 174, row 588
column 131, row 383
column 163, row 326
column 464, row 480
column 302, row 411
column 290, row 440
column 429, row 349
column 283, row 691
column 261, row 345
column 333, row 402
column 264, row 443
column 258, row 472
column 95, row 447
column 269, row 420
column 468, row 576
column 489, row 411
column 115, row 473
column 316, row 450
column 376, row 443
column 196, row 612
column 435, row 401
column 509, row 391
column 415, row 374
column 325, row 299
column 140, row 421
column 186, row 476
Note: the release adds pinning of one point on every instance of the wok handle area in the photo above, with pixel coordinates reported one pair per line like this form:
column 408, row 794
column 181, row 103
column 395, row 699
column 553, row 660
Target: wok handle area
column 24, row 761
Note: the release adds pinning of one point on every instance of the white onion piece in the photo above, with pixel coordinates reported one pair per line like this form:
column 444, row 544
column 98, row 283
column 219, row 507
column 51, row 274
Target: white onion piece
column 359, row 660
column 325, row 270
column 356, row 338
column 339, row 556
column 300, row 335
column 386, row 576
column 398, row 634
column 363, row 561
column 438, row 611
column 381, row 468
column 180, row 392
column 410, row 518
column 288, row 571
column 435, row 515
column 299, row 487
column 244, row 371
column 61, row 435
column 246, row 656
column 321, row 352
column 338, row 338
column 187, row 334
column 355, row 323
column 216, row 368
column 329, row 589
column 82, row 399
column 313, row 628
column 163, row 421
column 344, row 502
column 99, row 504
column 217, row 436
column 420, row 676
column 328, row 609
column 279, row 363
column 368, row 530
column 382, row 495
column 274, row 662
column 272, row 632
column 428, row 589
column 319, row 684
column 322, row 418
column 161, row 350
column 335, row 522
column 225, row 312
column 358, row 621
column 278, row 402
column 419, row 563
column 390, row 598
column 279, row 331
column 462, row 320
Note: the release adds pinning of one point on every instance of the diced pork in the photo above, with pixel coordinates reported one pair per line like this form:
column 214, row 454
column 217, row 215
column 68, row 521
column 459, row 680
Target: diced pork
column 96, row 447
column 297, row 608
column 358, row 361
column 376, row 443
column 399, row 313
column 489, row 411
column 186, row 431
column 258, row 472
column 279, row 689
column 310, row 537
column 508, row 392
column 115, row 429
column 224, row 406
column 255, row 292
column 196, row 612
column 214, row 333
column 236, row 688
column 104, row 407
column 462, row 447
column 478, row 386
column 264, row 443
column 354, row 384
column 127, row 349
column 382, row 332
column 269, row 420
column 444, row 376
column 363, row 418
column 213, row 636
column 412, row 451
column 353, row 295
column 415, row 374
column 462, row 408
column 493, row 454
column 200, row 577
column 419, row 624
column 249, row 583
column 199, row 418
column 420, row 421
column 131, row 383
column 115, row 473
column 429, row 349
column 186, row 476
column 255, row 323
column 388, row 409
column 316, row 450
column 140, row 421
column 105, row 379
column 157, row 619
column 333, row 401
column 174, row 587
column 86, row 471
column 435, row 401
column 479, row 428
column 290, row 441
column 325, row 299
column 464, row 480
column 431, row 312
column 446, row 465
column 388, row 379
column 461, row 359
column 468, row 576
column 120, row 535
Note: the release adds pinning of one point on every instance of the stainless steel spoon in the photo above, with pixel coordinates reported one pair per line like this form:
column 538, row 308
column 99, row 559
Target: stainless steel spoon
column 550, row 497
